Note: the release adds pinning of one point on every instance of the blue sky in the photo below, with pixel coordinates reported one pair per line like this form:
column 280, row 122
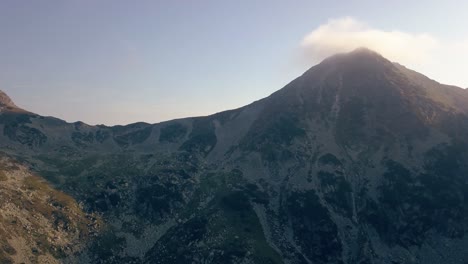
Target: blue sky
column 117, row 62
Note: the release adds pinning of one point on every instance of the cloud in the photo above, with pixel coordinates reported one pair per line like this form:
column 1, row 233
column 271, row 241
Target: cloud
column 438, row 58
column 346, row 34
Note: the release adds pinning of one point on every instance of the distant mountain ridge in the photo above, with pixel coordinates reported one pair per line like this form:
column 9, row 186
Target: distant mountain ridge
column 358, row 160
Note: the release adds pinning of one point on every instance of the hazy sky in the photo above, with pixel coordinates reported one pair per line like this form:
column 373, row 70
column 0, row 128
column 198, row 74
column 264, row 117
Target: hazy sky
column 117, row 62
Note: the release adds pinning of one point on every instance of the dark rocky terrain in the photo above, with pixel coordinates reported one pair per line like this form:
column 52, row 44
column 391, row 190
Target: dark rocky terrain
column 359, row 160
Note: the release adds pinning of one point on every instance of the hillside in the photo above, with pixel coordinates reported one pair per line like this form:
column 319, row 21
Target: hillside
column 359, row 160
column 39, row 224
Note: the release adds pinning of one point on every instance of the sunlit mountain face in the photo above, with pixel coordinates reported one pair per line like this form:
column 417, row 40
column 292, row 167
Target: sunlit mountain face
column 359, row 160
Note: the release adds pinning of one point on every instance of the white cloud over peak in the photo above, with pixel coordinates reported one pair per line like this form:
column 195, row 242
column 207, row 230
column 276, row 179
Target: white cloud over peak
column 438, row 58
column 346, row 34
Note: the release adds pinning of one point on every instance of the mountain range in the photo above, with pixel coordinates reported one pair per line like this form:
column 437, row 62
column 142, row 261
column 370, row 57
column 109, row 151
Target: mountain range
column 358, row 160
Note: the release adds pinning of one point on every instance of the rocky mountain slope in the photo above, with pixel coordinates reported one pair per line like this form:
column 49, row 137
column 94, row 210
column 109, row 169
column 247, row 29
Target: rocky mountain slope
column 359, row 160
column 37, row 223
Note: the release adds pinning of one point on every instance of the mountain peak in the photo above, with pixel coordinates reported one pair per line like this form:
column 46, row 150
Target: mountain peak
column 6, row 102
column 358, row 62
column 364, row 50
column 358, row 56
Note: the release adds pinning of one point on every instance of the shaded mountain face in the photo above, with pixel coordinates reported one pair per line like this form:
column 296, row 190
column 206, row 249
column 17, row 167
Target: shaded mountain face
column 359, row 160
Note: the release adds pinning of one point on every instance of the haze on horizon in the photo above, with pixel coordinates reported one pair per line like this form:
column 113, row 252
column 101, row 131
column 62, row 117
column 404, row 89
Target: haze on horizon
column 116, row 62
